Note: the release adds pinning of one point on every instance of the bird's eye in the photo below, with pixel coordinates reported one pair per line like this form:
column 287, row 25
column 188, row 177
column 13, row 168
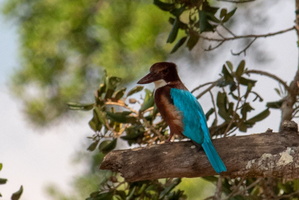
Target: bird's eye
column 165, row 71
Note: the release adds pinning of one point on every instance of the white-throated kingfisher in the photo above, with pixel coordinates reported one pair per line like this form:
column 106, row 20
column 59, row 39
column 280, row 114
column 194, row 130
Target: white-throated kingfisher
column 181, row 110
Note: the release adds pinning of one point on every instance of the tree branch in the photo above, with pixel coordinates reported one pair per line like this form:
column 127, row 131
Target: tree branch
column 257, row 155
column 287, row 107
column 248, row 36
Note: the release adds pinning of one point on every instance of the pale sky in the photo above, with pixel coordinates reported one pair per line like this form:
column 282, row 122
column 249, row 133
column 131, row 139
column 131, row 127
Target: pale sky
column 33, row 158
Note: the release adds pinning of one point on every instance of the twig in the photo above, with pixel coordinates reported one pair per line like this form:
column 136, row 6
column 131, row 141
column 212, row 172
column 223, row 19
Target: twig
column 271, row 76
column 235, row 111
column 248, row 36
column 208, row 83
column 214, row 105
column 244, row 50
column 208, row 89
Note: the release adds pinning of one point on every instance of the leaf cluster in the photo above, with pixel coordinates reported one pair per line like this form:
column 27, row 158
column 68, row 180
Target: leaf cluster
column 114, row 118
column 192, row 18
column 234, row 101
column 16, row 195
column 123, row 117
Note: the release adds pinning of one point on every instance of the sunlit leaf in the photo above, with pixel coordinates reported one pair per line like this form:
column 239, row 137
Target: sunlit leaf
column 148, row 100
column 121, row 117
column 79, row 106
column 134, row 90
column 120, row 93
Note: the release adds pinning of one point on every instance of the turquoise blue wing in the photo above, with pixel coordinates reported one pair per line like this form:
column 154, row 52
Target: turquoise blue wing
column 194, row 120
column 195, row 126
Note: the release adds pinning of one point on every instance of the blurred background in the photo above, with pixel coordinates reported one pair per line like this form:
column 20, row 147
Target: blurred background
column 53, row 52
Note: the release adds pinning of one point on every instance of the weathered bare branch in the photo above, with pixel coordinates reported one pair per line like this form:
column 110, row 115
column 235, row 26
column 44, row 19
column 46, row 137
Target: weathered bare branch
column 256, row 155
column 287, row 107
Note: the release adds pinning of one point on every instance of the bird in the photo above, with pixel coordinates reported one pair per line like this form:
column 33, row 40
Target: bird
column 181, row 110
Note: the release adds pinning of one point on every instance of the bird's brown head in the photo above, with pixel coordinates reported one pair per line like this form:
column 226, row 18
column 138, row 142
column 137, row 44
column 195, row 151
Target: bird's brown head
column 161, row 71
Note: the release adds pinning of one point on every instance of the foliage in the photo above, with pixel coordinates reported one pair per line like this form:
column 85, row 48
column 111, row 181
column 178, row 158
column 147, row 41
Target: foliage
column 193, row 18
column 16, row 195
column 67, row 44
column 118, row 115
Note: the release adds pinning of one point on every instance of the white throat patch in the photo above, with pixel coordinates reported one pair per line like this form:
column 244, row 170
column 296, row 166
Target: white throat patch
column 159, row 83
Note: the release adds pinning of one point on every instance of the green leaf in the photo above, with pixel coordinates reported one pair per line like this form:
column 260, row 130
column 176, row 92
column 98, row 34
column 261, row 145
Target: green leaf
column 204, row 24
column 170, row 187
column 121, row 117
column 148, row 100
column 93, row 145
column 79, row 106
column 179, row 44
column 209, row 113
column 222, row 106
column 135, row 90
column 17, row 195
column 259, row 117
column 243, row 127
column 120, row 93
column 97, row 120
column 210, row 178
column 3, row 181
column 275, row 104
column 229, row 65
column 174, row 31
column 277, row 91
column 178, row 11
column 245, row 109
column 107, row 146
column 133, row 133
column 229, row 15
column 164, row 6
column 223, row 13
column 101, row 196
column 240, row 69
column 101, row 90
column 1, row 166
column 111, row 84
column 192, row 41
column 246, row 81
column 228, row 77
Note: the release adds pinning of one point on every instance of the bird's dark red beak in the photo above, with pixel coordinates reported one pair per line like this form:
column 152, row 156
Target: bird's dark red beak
column 149, row 78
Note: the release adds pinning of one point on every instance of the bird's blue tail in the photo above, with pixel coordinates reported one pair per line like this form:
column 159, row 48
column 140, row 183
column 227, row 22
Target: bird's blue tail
column 213, row 156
